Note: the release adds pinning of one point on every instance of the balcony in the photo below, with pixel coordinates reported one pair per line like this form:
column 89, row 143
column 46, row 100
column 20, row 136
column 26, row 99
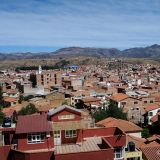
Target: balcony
column 133, row 154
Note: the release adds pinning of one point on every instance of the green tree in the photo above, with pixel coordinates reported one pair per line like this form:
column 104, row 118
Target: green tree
column 145, row 133
column 29, row 109
column 2, row 115
column 1, row 96
column 26, row 98
column 154, row 129
column 111, row 111
column 21, row 98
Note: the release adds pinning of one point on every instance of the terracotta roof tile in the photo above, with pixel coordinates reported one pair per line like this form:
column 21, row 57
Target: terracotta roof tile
column 125, row 126
column 90, row 99
column 151, row 107
column 156, row 117
column 119, row 97
column 151, row 151
column 10, row 99
column 9, row 110
column 153, row 138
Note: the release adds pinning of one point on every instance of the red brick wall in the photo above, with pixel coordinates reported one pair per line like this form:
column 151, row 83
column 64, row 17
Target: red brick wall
column 23, row 145
column 65, row 112
column 96, row 155
column 5, row 152
column 117, row 141
column 33, row 156
column 11, row 134
column 99, row 132
column 68, row 140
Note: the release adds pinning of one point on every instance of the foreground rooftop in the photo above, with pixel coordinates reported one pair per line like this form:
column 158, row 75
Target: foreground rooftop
column 89, row 144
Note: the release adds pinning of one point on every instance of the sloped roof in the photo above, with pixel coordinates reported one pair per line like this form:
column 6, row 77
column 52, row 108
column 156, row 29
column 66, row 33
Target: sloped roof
column 155, row 118
column 10, row 99
column 124, row 125
column 59, row 109
column 119, row 97
column 153, row 138
column 116, row 141
column 9, row 110
column 12, row 91
column 33, row 124
column 90, row 99
column 138, row 141
column 151, row 107
column 151, row 151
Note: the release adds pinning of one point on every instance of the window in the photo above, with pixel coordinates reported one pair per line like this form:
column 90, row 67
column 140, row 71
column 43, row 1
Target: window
column 131, row 147
column 70, row 133
column 67, row 116
column 135, row 102
column 145, row 101
column 135, row 158
column 36, row 138
column 123, row 103
column 118, row 153
column 151, row 101
column 57, row 134
column 150, row 114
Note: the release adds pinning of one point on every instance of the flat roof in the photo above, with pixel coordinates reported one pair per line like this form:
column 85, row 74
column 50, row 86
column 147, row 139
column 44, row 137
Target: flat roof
column 89, row 144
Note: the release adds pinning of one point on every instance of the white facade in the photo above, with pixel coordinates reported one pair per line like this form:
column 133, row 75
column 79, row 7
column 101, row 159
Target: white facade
column 151, row 114
column 135, row 134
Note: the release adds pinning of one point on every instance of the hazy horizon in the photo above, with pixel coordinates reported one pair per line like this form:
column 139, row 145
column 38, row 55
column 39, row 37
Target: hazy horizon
column 53, row 49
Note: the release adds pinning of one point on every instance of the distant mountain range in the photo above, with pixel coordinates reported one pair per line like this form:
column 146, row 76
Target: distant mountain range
column 146, row 52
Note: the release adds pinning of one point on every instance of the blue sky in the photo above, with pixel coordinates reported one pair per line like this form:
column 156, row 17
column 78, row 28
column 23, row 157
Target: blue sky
column 46, row 25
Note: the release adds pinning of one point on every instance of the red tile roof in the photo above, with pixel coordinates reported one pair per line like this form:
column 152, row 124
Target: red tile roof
column 10, row 110
column 153, row 138
column 118, row 97
column 156, row 117
column 116, row 141
column 125, row 126
column 10, row 99
column 151, row 151
column 90, row 99
column 151, row 107
column 33, row 124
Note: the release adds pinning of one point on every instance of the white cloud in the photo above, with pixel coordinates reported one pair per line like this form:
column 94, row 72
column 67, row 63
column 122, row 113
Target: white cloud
column 108, row 23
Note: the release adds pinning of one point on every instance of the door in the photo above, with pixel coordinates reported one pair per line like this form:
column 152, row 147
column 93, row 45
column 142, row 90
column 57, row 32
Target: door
column 57, row 137
column 6, row 138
